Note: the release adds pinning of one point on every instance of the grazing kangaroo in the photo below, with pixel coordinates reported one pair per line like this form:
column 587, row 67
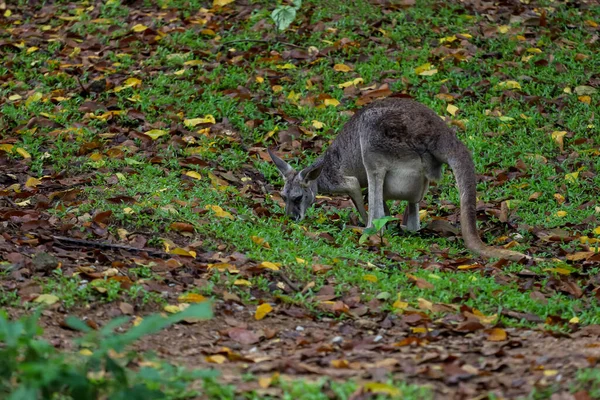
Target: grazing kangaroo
column 394, row 147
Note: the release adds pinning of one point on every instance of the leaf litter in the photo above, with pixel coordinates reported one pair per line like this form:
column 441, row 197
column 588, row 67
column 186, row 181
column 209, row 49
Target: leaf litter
column 453, row 347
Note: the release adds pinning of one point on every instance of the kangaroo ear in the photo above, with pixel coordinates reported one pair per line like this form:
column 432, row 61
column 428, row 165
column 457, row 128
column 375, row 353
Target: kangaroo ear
column 281, row 165
column 311, row 173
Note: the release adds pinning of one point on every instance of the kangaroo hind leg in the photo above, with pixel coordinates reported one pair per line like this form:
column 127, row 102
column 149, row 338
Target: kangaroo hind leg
column 411, row 217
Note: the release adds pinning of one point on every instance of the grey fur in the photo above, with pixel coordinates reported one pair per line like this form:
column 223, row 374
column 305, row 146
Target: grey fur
column 394, row 147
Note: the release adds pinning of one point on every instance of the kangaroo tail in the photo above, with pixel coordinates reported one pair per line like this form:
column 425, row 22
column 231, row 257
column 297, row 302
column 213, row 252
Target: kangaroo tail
column 459, row 159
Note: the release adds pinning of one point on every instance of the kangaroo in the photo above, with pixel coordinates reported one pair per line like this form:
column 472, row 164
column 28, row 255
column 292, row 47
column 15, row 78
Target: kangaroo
column 394, row 147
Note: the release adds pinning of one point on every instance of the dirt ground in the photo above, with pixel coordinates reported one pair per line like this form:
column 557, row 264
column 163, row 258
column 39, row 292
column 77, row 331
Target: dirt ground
column 294, row 345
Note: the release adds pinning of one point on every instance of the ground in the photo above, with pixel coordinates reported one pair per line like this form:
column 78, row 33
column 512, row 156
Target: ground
column 135, row 179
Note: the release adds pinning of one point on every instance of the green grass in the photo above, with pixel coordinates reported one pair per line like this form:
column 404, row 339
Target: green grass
column 500, row 128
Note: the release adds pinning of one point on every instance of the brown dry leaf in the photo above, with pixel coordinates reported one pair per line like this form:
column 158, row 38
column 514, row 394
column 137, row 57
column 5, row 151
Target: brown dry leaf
column 182, row 227
column 420, row 282
column 580, row 255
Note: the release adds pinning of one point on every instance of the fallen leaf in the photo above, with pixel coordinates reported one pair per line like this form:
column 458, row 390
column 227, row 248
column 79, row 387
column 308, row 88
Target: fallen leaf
column 47, row 299
column 193, row 174
column 139, row 28
column 496, row 335
column 382, row 388
column 191, row 298
column 452, row 109
column 508, row 85
column 269, row 265
column 342, row 68
column 219, row 212
column 155, row 133
column 216, row 359
column 262, row 311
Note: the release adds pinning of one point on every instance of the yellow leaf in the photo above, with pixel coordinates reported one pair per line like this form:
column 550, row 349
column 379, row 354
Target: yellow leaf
column 596, row 230
column 23, row 152
column 574, row 320
column 382, row 388
column 317, row 124
column 559, row 198
column 550, row 372
column 331, row 102
column 497, row 335
column 469, row 266
column 303, row 261
column 558, row 270
column 572, row 177
column 262, row 311
column 85, row 352
column 219, row 212
column 342, row 68
column 558, row 137
column 14, row 97
column 193, row 174
column 370, row 278
column 139, row 28
column 452, row 109
column 534, row 50
column 37, row 96
column 585, row 99
column 156, row 133
column 561, row 214
column 260, row 241
column 133, row 82
column 191, row 298
column 422, row 68
column 6, row 147
column 32, row 49
column 216, row 359
column 265, row 381
column 269, row 265
column 208, row 119
column 353, row 82
column 174, row 309
column 503, row 28
column 7, row 13
column 277, row 88
column 286, row 66
column 221, row 3
column 95, row 156
column 445, row 96
column 448, row 39
column 47, row 299
column 259, row 79
column 508, row 85
column 183, row 252
column 32, row 182
column 242, row 282
column 128, row 210
column 399, row 304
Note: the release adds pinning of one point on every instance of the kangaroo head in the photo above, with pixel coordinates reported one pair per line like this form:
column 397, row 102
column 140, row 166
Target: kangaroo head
column 299, row 189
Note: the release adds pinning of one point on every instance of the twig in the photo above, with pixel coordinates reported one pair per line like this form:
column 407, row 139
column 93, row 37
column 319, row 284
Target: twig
column 110, row 246
column 289, row 282
column 260, row 41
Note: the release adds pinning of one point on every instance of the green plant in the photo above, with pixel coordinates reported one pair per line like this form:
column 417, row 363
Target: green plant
column 32, row 368
column 284, row 15
column 377, row 229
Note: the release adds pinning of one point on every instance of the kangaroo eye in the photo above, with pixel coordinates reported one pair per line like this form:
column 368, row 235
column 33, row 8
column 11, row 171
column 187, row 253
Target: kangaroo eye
column 297, row 199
